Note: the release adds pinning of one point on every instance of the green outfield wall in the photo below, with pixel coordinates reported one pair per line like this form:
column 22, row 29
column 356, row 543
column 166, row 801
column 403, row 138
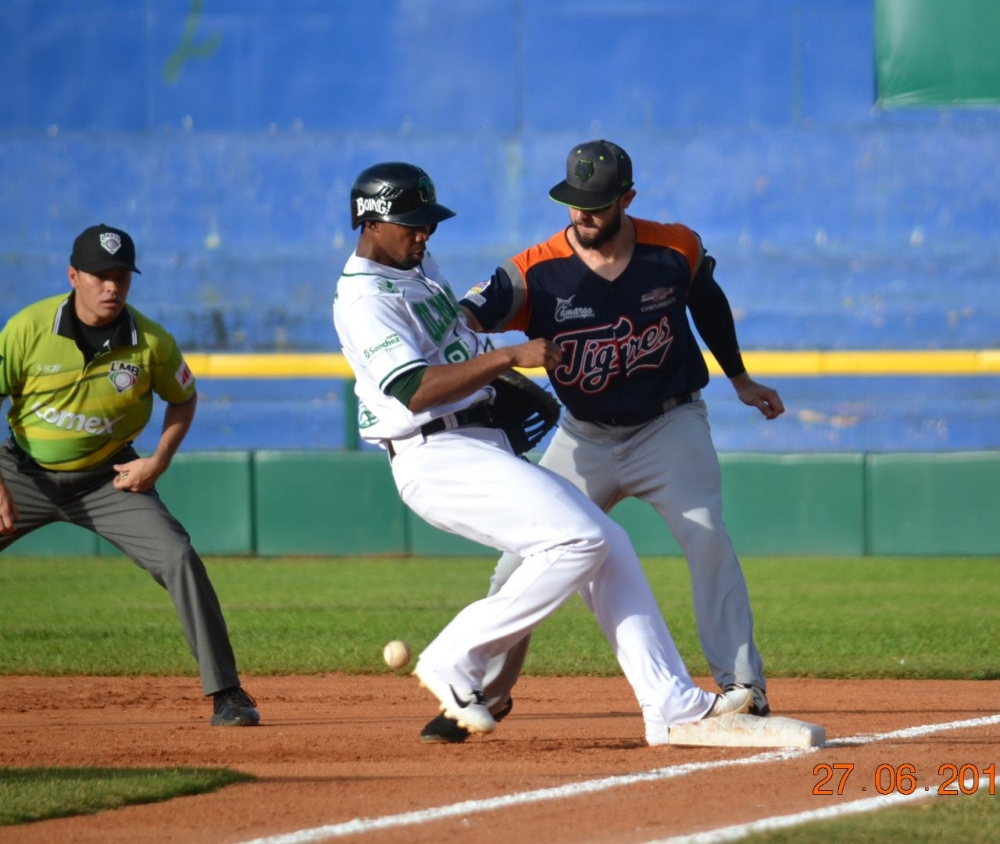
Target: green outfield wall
column 277, row 503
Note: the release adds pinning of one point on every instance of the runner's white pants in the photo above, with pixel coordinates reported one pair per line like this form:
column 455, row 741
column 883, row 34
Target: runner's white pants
column 468, row 482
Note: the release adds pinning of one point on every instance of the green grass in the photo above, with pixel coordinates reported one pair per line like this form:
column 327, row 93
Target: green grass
column 932, row 819
column 858, row 618
column 34, row 794
column 834, row 618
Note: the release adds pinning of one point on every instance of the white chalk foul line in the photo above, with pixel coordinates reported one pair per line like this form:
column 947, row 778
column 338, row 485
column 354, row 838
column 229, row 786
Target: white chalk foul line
column 471, row 807
column 915, row 732
column 855, row 807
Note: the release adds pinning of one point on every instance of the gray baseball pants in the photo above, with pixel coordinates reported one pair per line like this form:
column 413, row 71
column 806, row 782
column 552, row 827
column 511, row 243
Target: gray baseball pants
column 140, row 526
column 670, row 463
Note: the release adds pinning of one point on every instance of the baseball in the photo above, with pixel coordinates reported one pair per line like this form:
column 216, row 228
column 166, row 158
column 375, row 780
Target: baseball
column 396, row 654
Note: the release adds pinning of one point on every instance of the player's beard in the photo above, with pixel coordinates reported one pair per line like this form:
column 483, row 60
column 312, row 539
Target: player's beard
column 604, row 235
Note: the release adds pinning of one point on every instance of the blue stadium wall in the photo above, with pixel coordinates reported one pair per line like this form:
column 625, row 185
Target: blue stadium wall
column 224, row 135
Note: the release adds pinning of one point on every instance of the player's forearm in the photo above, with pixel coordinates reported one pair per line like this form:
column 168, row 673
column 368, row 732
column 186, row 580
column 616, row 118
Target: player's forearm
column 176, row 423
column 449, row 382
column 713, row 317
column 742, row 381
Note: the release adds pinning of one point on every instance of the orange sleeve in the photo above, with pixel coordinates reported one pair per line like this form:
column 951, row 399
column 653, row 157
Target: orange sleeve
column 673, row 236
column 517, row 268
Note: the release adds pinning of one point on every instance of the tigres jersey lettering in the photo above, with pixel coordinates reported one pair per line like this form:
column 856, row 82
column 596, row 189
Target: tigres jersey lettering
column 627, row 345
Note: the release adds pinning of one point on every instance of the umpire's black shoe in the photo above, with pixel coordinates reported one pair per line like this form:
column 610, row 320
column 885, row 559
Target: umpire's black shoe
column 234, row 708
column 444, row 730
column 760, row 706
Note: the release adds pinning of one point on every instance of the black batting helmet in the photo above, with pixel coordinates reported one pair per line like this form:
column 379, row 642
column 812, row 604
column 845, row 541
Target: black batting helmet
column 394, row 192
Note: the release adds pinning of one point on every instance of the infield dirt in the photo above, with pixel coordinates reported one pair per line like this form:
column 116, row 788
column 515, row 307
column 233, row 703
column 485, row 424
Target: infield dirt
column 335, row 748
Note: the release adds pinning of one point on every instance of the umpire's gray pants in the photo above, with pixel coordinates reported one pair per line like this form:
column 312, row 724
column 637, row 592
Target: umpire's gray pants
column 139, row 525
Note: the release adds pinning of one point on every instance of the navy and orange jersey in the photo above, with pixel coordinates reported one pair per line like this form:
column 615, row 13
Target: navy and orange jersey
column 627, row 344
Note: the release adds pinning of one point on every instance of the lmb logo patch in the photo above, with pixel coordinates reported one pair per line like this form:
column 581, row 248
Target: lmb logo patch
column 123, row 376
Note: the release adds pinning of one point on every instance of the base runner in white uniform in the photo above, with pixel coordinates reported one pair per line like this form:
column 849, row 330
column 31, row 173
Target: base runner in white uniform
column 422, row 383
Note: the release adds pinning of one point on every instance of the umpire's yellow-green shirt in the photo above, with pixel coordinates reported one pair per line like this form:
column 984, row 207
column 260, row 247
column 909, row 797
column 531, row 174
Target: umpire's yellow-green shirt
column 68, row 414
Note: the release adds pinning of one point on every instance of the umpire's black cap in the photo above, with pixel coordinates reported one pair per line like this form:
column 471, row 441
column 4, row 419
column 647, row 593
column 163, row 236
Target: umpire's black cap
column 597, row 173
column 101, row 248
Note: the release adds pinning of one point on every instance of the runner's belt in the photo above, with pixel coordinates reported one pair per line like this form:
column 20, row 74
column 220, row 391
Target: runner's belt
column 474, row 416
column 478, row 415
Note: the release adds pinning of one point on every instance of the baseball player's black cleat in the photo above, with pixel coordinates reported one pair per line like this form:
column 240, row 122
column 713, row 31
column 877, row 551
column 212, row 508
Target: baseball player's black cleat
column 760, row 706
column 444, row 730
column 234, row 708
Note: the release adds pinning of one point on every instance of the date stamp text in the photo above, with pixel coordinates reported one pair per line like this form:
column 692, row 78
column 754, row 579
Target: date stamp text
column 903, row 779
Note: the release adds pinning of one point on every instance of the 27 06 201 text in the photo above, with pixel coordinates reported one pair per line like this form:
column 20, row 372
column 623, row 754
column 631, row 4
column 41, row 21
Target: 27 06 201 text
column 953, row 778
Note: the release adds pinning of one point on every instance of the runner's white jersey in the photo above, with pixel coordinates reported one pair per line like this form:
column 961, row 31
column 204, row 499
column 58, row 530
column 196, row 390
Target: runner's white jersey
column 395, row 321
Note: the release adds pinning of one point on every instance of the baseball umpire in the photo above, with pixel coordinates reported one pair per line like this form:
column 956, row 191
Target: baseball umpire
column 81, row 371
column 423, row 384
column 612, row 292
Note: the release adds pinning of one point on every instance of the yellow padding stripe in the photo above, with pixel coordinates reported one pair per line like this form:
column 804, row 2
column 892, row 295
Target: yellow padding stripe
column 268, row 365
column 759, row 364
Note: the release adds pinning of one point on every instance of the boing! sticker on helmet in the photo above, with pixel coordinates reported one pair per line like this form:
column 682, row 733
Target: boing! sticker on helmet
column 123, row 376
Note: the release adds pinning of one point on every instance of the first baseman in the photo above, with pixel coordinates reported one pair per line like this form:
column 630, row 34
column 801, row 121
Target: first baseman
column 422, row 382
column 80, row 371
column 612, row 292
